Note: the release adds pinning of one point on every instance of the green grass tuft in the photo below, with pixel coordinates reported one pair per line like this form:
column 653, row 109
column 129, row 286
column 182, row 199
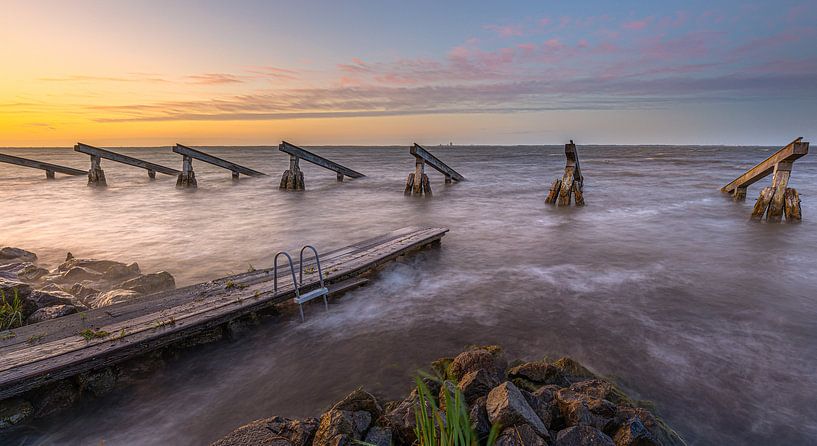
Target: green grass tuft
column 11, row 311
column 90, row 334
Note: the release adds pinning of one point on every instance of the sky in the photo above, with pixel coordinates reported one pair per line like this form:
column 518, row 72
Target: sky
column 154, row 73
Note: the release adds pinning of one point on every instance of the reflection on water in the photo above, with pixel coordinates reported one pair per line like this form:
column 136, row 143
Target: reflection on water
column 659, row 282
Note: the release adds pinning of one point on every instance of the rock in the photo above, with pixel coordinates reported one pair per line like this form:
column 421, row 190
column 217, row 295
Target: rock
column 12, row 255
column 582, row 436
column 97, row 266
column 25, row 272
column 542, row 406
column 634, row 433
column 48, row 298
column 478, row 416
column 113, row 297
column 379, row 436
column 8, row 287
column 402, row 421
column 98, row 382
column 53, row 398
column 14, row 411
column 150, row 283
column 360, row 400
column 572, row 370
column 538, row 373
column 522, row 435
column 473, row 360
column 69, row 256
column 84, row 293
column 78, row 274
column 275, row 431
column 598, row 388
column 579, row 410
column 121, row 271
column 662, row 433
column 448, row 389
column 476, row 384
column 52, row 312
column 342, row 427
column 507, row 406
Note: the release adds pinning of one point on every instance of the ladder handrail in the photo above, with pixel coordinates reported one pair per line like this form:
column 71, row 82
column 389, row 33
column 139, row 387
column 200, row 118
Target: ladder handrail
column 317, row 261
column 291, row 270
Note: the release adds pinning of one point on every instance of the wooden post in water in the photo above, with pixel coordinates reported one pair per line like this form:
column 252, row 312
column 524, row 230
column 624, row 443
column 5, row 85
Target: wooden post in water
column 571, row 184
column 417, row 182
column 778, row 200
column 293, row 178
column 187, row 177
column 96, row 176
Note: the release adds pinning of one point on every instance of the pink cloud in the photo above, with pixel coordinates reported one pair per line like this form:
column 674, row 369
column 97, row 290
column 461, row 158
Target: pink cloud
column 636, row 25
column 545, row 21
column 505, row 30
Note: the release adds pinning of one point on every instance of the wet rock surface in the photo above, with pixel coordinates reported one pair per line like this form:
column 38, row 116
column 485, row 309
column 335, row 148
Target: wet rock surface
column 75, row 285
column 566, row 405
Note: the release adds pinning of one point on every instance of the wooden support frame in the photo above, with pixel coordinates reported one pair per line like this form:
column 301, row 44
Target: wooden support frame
column 293, row 178
column 417, row 182
column 50, row 169
column 571, row 185
column 96, row 176
column 779, row 200
column 187, row 178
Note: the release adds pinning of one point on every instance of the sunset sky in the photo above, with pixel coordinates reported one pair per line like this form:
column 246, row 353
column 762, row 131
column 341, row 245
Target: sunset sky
column 380, row 72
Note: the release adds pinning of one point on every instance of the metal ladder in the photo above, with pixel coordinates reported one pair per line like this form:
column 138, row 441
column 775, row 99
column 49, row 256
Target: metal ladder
column 300, row 299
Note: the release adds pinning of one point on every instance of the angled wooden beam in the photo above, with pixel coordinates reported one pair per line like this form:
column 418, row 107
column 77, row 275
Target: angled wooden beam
column 790, row 152
column 421, row 153
column 124, row 159
column 47, row 167
column 207, row 158
column 306, row 155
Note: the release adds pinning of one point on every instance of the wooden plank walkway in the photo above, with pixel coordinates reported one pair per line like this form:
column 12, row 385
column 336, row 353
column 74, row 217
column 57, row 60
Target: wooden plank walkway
column 48, row 351
column 47, row 167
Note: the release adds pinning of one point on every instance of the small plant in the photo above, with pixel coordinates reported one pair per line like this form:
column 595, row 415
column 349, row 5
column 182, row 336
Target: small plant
column 165, row 323
column 251, row 268
column 121, row 334
column 35, row 339
column 11, row 312
column 452, row 428
column 90, row 334
column 257, row 294
column 230, row 285
column 309, row 270
column 7, row 335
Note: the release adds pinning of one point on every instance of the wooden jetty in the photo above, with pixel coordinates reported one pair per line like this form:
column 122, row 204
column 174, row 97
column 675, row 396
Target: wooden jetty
column 778, row 199
column 571, row 183
column 187, row 178
column 49, row 168
column 293, row 178
column 38, row 354
column 417, row 182
column 96, row 176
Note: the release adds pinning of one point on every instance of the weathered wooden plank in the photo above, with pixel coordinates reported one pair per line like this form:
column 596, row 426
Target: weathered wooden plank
column 567, row 187
column 420, row 152
column 762, row 203
column 792, row 206
column 790, row 152
column 47, row 167
column 553, row 195
column 782, row 172
column 204, row 306
column 220, row 162
column 318, row 160
column 124, row 159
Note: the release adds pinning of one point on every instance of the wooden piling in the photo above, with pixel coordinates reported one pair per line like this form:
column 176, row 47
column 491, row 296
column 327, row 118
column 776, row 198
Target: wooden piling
column 293, row 178
column 776, row 201
column 96, row 176
column 187, row 177
column 418, row 182
column 571, row 185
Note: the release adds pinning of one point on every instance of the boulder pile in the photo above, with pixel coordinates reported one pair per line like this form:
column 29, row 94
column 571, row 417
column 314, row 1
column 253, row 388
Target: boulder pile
column 73, row 286
column 536, row 403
